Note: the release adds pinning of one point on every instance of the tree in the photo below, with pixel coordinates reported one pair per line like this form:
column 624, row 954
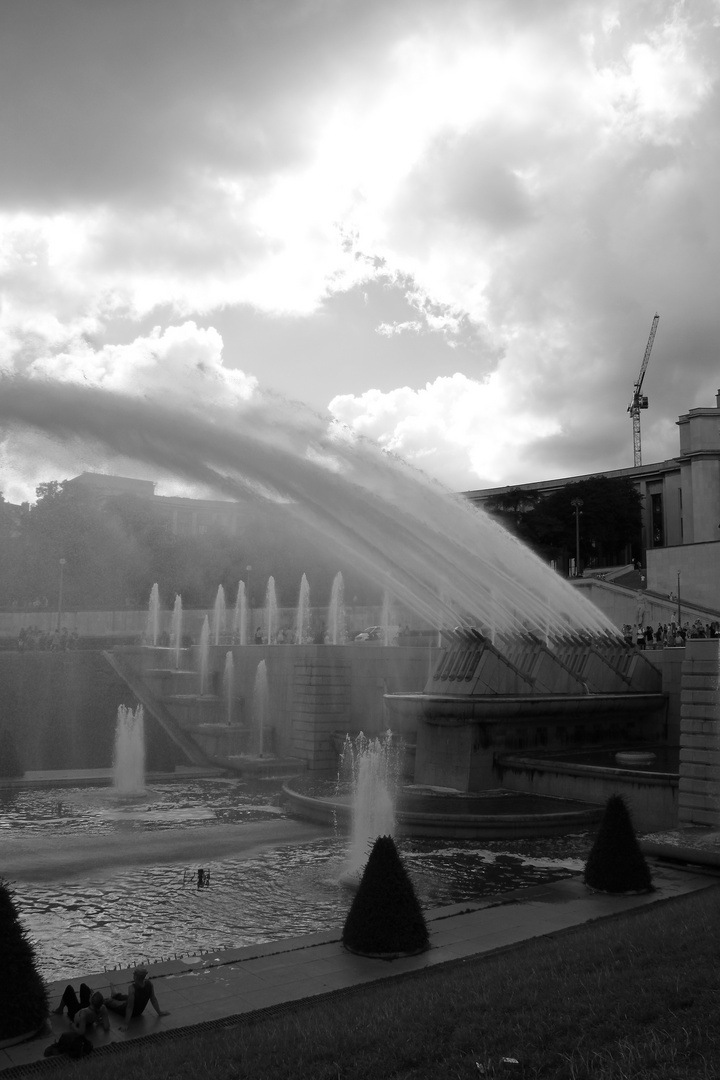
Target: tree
column 615, row 863
column 385, row 916
column 24, row 999
column 610, row 519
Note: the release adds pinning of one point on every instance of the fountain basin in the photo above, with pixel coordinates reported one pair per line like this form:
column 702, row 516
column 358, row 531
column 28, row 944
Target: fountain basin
column 456, row 708
column 92, row 858
column 650, row 788
column 423, row 811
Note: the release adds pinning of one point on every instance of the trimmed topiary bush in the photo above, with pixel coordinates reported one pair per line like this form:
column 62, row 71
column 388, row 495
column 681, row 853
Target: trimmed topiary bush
column 23, row 994
column 10, row 764
column 385, row 917
column 615, row 863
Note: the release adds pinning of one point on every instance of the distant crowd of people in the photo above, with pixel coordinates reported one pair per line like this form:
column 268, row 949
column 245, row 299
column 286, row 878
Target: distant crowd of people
column 33, row 638
column 669, row 634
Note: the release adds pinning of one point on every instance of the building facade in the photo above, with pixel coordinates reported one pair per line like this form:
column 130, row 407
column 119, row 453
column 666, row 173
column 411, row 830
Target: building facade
column 681, row 510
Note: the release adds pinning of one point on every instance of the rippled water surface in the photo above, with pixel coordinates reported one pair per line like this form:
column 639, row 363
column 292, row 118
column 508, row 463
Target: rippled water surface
column 118, row 915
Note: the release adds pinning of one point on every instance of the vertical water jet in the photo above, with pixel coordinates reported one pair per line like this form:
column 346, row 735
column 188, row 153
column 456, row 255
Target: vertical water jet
column 270, row 614
column 302, row 616
column 240, row 617
column 337, row 629
column 260, row 707
column 176, row 630
column 229, row 685
column 204, row 660
column 219, row 616
column 129, row 756
column 152, row 628
column 372, row 767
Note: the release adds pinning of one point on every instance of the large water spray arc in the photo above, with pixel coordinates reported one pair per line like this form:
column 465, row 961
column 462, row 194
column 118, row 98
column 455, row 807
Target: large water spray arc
column 447, row 561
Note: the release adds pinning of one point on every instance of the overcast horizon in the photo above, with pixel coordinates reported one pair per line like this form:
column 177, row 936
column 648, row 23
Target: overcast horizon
column 446, row 225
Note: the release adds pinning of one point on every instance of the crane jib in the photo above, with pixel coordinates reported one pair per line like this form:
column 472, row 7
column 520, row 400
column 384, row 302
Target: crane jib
column 639, row 401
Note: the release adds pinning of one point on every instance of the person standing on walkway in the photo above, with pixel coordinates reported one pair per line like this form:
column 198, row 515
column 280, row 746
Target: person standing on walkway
column 140, row 991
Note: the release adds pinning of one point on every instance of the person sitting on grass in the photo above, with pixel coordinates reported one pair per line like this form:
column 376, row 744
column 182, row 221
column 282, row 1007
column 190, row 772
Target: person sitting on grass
column 133, row 1003
column 85, row 1011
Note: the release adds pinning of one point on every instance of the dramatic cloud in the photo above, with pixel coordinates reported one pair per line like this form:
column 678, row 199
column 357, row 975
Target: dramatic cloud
column 451, row 223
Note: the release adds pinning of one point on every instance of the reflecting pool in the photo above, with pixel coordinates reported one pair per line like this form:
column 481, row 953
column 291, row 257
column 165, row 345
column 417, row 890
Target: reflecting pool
column 104, row 882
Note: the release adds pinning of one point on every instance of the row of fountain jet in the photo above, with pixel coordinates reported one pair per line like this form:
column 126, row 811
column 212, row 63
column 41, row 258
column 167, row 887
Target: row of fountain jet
column 224, row 626
column 230, row 626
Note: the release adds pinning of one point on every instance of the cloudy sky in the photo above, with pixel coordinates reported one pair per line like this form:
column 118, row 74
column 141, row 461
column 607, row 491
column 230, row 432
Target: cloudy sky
column 449, row 224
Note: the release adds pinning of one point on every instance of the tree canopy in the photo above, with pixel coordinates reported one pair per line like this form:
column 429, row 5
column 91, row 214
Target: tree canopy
column 610, row 519
column 116, row 548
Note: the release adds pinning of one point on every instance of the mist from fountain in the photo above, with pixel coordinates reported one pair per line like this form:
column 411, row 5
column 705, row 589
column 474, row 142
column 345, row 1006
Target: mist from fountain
column 270, row 613
column 229, row 685
column 443, row 559
column 129, row 756
column 337, row 624
column 302, row 616
column 176, row 630
column 204, row 659
column 219, row 616
column 240, row 617
column 372, row 767
column 152, row 628
column 260, row 707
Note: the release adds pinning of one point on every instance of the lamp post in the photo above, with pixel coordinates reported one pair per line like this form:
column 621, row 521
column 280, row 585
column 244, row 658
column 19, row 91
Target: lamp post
column 679, row 615
column 577, row 503
column 60, row 592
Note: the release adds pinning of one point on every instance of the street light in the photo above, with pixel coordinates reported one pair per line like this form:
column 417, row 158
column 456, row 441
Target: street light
column 678, row 600
column 577, row 503
column 60, row 592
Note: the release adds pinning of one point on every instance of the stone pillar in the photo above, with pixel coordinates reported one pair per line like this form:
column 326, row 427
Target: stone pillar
column 699, row 787
column 320, row 706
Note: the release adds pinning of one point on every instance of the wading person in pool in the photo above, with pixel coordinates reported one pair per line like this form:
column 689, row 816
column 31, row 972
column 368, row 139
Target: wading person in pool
column 85, row 1011
column 133, row 1003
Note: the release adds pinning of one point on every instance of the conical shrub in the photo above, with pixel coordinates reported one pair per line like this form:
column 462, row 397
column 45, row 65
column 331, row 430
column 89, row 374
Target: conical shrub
column 23, row 994
column 615, row 863
column 385, row 916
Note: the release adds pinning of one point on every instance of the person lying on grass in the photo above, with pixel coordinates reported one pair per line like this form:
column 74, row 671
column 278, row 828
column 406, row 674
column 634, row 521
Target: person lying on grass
column 86, row 1011
column 140, row 991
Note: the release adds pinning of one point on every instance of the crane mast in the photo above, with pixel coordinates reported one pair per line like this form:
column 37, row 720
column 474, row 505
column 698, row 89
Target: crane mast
column 639, row 401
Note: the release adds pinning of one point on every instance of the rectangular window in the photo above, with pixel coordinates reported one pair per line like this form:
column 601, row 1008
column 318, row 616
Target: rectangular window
column 681, row 515
column 657, row 520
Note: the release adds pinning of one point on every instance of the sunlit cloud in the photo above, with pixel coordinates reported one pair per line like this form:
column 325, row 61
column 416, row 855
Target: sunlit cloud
column 507, row 192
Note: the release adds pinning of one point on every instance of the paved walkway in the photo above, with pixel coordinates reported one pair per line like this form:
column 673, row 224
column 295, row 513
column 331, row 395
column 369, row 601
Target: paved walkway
column 217, row 986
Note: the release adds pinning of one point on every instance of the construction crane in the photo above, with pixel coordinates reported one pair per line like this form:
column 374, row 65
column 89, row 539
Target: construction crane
column 638, row 400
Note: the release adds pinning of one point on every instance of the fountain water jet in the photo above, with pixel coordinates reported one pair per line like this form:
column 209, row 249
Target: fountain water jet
column 240, row 617
column 302, row 617
column 176, row 630
column 219, row 616
column 152, row 628
column 129, row 757
column 229, row 684
column 391, row 519
column 260, row 706
column 270, row 612
column 373, row 767
column 337, row 629
column 205, row 657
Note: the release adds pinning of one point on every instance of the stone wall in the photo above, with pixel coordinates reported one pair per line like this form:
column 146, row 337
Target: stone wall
column 60, row 710
column 699, row 787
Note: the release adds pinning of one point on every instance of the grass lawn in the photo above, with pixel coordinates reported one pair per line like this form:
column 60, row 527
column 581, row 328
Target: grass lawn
column 636, row 996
